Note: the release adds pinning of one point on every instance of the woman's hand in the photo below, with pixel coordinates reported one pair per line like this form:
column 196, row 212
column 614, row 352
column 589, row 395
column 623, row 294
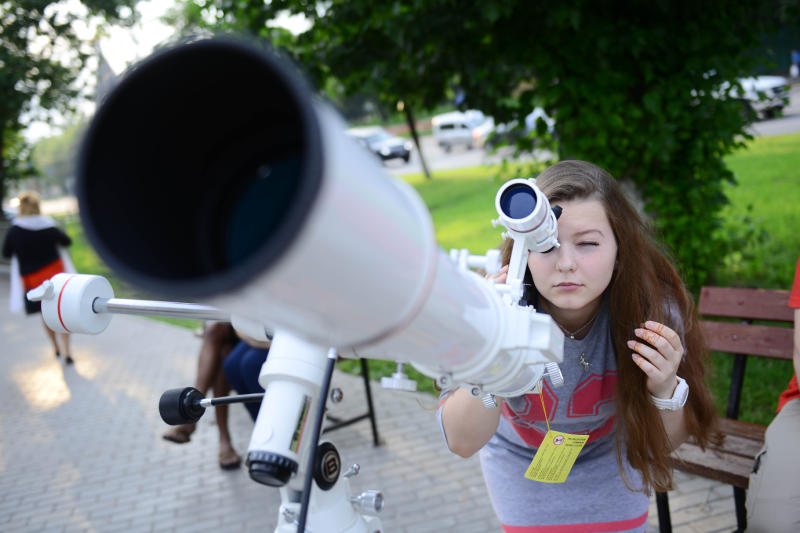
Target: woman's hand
column 501, row 275
column 659, row 358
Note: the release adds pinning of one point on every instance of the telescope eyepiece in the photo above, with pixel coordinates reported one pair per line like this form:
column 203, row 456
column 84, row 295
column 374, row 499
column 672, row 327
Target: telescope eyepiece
column 518, row 201
column 525, row 212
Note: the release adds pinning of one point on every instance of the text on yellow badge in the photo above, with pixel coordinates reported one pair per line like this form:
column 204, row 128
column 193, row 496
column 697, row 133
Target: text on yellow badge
column 555, row 457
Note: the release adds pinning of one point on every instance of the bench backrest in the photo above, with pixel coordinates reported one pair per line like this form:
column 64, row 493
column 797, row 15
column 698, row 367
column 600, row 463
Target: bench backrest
column 743, row 339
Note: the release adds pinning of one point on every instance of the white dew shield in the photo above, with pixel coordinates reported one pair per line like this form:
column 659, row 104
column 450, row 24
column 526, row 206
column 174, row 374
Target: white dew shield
column 211, row 172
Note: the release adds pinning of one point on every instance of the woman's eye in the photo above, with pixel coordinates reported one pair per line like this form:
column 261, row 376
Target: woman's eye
column 549, row 250
column 588, row 243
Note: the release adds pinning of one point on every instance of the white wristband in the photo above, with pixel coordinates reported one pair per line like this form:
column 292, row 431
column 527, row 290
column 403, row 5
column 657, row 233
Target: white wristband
column 678, row 399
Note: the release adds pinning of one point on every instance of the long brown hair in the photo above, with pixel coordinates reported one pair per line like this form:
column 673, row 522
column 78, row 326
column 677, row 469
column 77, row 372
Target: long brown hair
column 645, row 285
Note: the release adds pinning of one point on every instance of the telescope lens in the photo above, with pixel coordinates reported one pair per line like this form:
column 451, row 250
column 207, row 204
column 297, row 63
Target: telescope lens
column 199, row 168
column 518, row 201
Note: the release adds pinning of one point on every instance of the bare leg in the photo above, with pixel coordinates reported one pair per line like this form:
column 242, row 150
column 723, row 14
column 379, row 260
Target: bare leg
column 52, row 336
column 216, row 338
column 64, row 338
column 228, row 458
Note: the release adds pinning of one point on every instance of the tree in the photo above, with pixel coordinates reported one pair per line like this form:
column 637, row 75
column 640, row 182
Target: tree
column 40, row 59
column 642, row 89
column 54, row 158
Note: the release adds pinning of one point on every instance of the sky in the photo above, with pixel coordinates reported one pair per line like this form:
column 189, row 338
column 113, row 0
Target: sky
column 122, row 47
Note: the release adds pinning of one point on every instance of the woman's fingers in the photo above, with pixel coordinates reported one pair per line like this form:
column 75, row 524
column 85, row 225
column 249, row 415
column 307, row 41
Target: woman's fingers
column 667, row 333
column 658, row 354
column 500, row 277
column 648, row 354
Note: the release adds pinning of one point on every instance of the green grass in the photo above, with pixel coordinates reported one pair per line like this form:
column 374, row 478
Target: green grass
column 764, row 201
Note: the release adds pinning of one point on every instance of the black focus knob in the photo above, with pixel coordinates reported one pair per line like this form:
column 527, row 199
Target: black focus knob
column 270, row 468
column 181, row 406
column 328, row 466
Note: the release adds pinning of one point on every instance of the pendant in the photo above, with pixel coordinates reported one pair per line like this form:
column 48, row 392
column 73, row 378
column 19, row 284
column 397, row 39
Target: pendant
column 582, row 360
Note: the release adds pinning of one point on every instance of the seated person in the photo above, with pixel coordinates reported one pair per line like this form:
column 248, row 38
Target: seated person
column 218, row 340
column 242, row 367
column 773, row 497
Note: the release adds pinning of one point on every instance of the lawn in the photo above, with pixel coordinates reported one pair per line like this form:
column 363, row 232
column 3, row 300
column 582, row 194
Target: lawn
column 763, row 202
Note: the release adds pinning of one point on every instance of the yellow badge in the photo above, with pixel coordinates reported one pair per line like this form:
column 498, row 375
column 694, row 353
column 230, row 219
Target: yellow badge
column 555, row 457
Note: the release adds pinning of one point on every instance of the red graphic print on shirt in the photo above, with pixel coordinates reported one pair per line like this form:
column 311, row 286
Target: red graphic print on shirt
column 592, row 400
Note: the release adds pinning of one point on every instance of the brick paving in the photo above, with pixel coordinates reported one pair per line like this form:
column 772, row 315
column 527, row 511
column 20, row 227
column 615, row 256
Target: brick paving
column 81, row 447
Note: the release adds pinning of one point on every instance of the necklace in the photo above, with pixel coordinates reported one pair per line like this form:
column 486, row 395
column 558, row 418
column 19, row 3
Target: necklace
column 571, row 334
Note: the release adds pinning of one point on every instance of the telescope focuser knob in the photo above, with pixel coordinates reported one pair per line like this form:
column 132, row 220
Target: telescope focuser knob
column 553, row 370
column 489, row 401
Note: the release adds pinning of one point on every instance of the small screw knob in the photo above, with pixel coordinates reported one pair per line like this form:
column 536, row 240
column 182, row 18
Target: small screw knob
column 369, row 501
column 336, row 395
column 489, row 401
column 352, row 471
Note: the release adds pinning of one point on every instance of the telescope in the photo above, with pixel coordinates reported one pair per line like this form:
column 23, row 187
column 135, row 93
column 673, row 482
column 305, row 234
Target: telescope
column 212, row 174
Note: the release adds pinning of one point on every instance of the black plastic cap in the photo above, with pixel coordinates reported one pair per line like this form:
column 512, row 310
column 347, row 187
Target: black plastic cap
column 270, row 468
column 181, row 406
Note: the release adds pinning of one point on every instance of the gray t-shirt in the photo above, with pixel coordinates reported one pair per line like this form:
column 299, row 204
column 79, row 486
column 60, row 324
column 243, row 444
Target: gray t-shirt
column 594, row 497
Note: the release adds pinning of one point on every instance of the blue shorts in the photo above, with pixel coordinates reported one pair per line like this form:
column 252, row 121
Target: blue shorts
column 242, row 367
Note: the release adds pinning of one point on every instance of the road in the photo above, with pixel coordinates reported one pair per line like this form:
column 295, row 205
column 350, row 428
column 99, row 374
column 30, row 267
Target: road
column 438, row 159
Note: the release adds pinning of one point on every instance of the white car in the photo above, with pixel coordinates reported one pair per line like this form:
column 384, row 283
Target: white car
column 507, row 132
column 468, row 128
column 766, row 95
column 762, row 95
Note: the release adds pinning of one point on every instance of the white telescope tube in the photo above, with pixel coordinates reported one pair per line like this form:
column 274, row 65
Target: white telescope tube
column 282, row 218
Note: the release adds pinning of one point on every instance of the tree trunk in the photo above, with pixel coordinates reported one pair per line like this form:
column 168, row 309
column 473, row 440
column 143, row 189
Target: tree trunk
column 412, row 126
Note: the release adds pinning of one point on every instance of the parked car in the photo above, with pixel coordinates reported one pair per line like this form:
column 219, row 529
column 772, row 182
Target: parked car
column 761, row 96
column 468, row 128
column 509, row 131
column 766, row 95
column 382, row 143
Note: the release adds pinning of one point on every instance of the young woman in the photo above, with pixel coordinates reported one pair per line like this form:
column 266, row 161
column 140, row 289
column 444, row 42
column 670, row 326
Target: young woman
column 632, row 347
column 37, row 249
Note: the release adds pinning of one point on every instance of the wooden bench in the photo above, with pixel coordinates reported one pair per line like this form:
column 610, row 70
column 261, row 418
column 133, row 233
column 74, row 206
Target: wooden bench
column 733, row 461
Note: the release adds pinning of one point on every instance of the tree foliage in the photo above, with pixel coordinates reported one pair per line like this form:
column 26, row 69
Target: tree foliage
column 40, row 58
column 636, row 87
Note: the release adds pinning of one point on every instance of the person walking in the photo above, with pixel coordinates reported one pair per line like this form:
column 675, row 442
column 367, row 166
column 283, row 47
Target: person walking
column 36, row 247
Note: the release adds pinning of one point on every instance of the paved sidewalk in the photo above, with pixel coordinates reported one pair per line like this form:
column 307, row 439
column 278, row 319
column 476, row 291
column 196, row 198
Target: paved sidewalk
column 81, row 447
